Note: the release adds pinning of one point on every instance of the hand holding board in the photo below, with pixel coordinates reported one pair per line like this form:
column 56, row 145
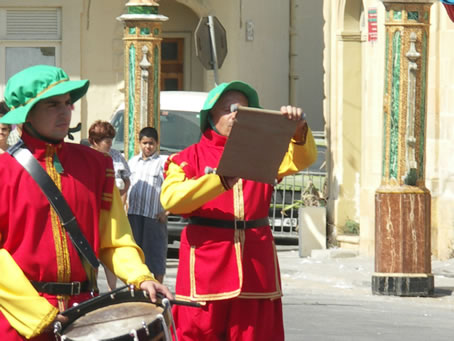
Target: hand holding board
column 257, row 144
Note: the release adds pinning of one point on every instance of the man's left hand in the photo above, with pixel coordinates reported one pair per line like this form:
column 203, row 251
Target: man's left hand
column 153, row 287
column 162, row 217
column 295, row 114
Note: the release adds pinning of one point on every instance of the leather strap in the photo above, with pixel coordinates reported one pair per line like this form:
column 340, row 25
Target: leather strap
column 56, row 288
column 230, row 224
column 21, row 153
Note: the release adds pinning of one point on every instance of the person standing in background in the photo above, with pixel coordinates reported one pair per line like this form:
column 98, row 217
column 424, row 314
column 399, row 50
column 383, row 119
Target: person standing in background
column 100, row 136
column 5, row 129
column 147, row 217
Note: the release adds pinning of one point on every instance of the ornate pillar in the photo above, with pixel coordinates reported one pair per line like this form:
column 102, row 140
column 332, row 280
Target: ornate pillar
column 402, row 202
column 142, row 41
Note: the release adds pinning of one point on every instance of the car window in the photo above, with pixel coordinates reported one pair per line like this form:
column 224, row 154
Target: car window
column 179, row 129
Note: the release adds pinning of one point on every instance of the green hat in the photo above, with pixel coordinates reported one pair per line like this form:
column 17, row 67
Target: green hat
column 217, row 92
column 33, row 84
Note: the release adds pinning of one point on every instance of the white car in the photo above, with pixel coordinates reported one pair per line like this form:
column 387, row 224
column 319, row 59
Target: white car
column 179, row 121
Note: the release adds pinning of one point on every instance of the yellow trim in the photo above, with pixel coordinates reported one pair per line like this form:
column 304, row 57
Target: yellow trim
column 187, row 299
column 215, row 297
column 110, row 173
column 238, row 201
column 269, row 295
column 192, row 270
column 239, row 248
column 107, row 196
column 276, row 270
column 238, row 205
column 60, row 240
column 210, row 297
column 45, row 322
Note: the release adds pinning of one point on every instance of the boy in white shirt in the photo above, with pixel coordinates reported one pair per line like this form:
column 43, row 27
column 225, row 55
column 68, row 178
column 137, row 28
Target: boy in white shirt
column 147, row 217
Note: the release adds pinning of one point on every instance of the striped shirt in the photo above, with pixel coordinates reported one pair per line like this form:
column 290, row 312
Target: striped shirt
column 146, row 181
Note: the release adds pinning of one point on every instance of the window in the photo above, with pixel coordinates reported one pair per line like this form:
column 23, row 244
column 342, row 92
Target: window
column 28, row 36
column 172, row 63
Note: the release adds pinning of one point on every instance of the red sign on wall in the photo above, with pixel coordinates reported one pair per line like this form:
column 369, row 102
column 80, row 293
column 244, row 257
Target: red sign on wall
column 372, row 24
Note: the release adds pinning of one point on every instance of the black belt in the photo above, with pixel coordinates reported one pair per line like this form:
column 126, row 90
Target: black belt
column 230, row 224
column 56, row 288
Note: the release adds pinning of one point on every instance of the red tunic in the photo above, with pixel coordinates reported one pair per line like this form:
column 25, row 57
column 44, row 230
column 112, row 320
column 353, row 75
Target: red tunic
column 219, row 263
column 31, row 232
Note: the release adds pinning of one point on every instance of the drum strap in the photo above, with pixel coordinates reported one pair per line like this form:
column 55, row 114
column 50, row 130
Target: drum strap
column 57, row 288
column 21, row 153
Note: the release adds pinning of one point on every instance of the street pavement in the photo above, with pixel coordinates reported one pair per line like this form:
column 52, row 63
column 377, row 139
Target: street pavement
column 328, row 297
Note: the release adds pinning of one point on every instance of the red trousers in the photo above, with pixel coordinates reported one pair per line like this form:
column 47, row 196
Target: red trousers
column 231, row 320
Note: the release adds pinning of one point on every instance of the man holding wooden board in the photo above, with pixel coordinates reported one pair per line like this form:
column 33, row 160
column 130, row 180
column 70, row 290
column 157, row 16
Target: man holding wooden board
column 228, row 260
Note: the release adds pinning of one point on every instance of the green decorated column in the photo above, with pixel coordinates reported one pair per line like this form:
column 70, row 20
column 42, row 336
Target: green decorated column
column 402, row 202
column 142, row 42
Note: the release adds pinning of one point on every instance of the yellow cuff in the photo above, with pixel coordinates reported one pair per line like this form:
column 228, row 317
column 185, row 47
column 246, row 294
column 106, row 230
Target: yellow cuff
column 137, row 282
column 45, row 322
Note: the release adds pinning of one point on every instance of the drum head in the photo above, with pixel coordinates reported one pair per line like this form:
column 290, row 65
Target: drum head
column 112, row 321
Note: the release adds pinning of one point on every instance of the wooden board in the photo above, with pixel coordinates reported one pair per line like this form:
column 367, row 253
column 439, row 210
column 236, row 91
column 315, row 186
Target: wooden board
column 257, row 144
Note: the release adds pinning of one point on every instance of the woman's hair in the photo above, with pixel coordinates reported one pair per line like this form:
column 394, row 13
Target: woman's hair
column 100, row 130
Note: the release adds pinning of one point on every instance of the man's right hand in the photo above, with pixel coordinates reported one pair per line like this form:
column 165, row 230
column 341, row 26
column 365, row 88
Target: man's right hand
column 59, row 318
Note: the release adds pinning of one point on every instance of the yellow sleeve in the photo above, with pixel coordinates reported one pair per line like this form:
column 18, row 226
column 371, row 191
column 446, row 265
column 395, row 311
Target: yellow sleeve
column 181, row 195
column 118, row 250
column 298, row 156
column 20, row 303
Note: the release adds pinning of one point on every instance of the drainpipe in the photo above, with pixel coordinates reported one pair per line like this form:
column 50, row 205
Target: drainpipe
column 293, row 77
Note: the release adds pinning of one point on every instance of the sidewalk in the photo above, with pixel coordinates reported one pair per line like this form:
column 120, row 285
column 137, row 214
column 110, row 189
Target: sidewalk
column 341, row 272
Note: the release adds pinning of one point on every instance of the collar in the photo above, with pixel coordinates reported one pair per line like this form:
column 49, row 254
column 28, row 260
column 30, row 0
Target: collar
column 213, row 138
column 40, row 148
column 153, row 156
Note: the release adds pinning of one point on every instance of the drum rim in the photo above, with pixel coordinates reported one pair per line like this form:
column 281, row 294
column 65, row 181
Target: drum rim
column 113, row 298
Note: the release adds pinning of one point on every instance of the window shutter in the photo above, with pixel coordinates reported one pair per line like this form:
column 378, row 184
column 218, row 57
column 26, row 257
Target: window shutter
column 33, row 24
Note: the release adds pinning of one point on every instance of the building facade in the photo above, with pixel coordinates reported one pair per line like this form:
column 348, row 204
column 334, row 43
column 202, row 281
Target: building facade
column 354, row 85
column 325, row 56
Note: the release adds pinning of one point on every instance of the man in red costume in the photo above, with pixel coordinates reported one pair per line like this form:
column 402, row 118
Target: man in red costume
column 35, row 250
column 228, row 261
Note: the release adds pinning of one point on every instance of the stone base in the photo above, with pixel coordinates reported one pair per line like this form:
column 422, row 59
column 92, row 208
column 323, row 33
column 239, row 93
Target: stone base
column 403, row 284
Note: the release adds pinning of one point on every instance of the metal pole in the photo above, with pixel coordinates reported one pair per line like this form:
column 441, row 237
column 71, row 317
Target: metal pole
column 213, row 49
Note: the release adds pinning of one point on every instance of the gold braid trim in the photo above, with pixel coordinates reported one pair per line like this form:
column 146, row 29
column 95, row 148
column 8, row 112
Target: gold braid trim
column 45, row 322
column 60, row 240
column 50, row 86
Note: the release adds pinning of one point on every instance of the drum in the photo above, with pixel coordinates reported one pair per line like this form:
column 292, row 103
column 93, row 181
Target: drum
column 118, row 315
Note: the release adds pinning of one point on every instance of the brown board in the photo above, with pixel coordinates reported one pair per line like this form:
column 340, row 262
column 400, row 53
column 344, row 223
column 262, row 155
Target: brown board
column 257, row 144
